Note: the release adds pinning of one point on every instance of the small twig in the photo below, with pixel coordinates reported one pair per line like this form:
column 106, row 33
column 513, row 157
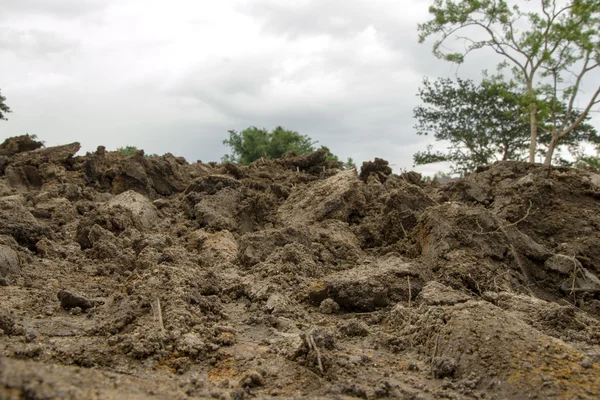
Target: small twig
column 311, row 341
column 409, row 293
column 476, row 284
column 432, row 200
column 575, row 271
column 160, row 317
column 498, row 276
column 519, row 263
column 479, row 225
column 522, row 219
column 403, row 230
column 437, row 342
column 501, row 227
column 409, row 304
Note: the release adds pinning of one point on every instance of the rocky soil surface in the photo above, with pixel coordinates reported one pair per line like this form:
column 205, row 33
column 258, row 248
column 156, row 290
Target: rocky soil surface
column 148, row 277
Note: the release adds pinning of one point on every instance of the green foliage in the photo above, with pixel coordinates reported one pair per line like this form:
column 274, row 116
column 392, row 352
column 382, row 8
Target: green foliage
column 4, row 109
column 589, row 162
column 550, row 51
column 330, row 155
column 349, row 163
column 253, row 143
column 482, row 123
column 128, row 150
column 131, row 150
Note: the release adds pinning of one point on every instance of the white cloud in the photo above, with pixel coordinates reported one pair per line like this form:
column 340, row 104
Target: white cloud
column 65, row 9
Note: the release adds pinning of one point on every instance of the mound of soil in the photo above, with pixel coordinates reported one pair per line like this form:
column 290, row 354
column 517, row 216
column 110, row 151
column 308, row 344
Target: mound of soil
column 148, row 277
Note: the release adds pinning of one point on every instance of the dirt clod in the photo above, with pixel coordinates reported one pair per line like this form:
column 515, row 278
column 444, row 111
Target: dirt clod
column 444, row 367
column 70, row 301
column 9, row 262
column 251, row 379
column 379, row 168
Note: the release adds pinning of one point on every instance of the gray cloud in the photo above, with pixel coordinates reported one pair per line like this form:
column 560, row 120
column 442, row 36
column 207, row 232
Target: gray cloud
column 372, row 100
column 337, row 18
column 55, row 8
column 394, row 21
column 227, row 77
column 36, row 43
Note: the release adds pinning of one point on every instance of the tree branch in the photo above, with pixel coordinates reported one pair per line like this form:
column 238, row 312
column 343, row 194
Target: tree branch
column 574, row 92
column 595, row 100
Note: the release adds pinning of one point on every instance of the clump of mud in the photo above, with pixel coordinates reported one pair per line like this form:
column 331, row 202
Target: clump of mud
column 149, row 277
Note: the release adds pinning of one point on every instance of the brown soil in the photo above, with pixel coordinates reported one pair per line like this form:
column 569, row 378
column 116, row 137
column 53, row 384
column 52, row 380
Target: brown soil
column 148, row 277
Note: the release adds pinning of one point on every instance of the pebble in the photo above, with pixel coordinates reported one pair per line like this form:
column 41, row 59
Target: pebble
column 586, row 363
column 75, row 311
column 30, row 337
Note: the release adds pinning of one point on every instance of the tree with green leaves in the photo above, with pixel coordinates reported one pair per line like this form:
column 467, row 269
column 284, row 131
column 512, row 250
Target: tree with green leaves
column 128, row 150
column 589, row 162
column 131, row 150
column 482, row 123
column 332, row 157
column 349, row 163
column 552, row 47
column 253, row 143
column 4, row 109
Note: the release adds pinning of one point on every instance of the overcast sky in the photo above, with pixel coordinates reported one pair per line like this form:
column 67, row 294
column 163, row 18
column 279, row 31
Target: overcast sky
column 176, row 76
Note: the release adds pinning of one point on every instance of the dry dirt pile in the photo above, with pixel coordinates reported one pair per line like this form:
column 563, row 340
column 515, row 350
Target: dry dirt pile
column 148, row 277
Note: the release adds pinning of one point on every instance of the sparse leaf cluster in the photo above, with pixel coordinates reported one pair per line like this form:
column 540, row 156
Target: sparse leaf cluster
column 4, row 109
column 590, row 162
column 131, row 150
column 128, row 150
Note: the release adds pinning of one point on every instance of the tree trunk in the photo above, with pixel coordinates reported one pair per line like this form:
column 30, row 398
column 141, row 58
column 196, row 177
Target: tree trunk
column 534, row 131
column 551, row 148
